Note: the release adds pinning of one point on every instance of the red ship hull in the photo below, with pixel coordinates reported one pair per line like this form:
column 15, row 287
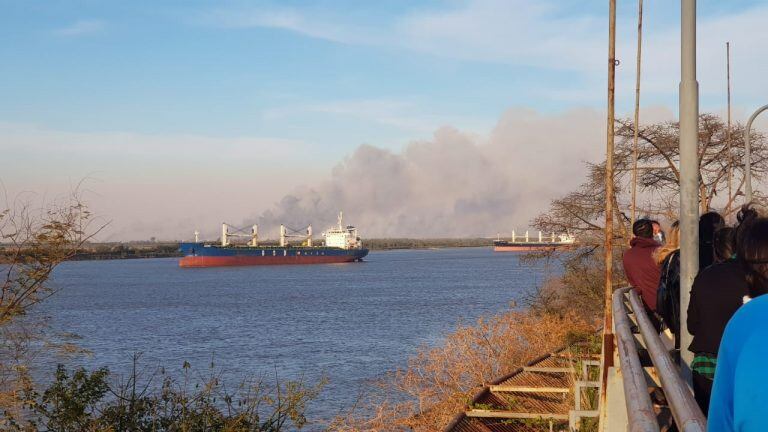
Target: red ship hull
column 231, row 261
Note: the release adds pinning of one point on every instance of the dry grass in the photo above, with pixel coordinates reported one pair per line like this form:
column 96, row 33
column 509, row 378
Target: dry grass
column 439, row 381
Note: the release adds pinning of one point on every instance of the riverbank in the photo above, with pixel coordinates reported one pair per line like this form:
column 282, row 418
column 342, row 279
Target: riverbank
column 135, row 250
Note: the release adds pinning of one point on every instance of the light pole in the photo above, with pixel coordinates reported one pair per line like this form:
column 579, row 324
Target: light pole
column 748, row 155
column 689, row 173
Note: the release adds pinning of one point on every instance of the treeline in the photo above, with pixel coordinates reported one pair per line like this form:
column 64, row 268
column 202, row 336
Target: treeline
column 98, row 251
column 409, row 243
column 105, row 251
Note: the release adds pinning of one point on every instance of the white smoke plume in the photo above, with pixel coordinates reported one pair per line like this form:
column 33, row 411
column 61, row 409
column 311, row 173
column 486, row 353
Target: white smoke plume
column 456, row 184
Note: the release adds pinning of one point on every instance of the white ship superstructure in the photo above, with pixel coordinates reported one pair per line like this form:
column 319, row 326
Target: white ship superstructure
column 344, row 237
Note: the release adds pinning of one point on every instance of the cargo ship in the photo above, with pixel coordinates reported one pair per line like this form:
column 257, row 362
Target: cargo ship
column 341, row 244
column 542, row 244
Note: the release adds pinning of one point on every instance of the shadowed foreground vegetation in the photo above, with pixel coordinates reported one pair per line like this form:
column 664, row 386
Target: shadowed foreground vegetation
column 80, row 400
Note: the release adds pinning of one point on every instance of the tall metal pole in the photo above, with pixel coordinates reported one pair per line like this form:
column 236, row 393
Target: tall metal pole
column 608, row 243
column 637, row 108
column 748, row 155
column 728, row 133
column 689, row 174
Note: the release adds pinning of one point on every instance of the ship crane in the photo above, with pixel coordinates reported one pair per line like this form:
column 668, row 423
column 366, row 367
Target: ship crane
column 285, row 235
column 552, row 238
column 239, row 232
column 228, row 232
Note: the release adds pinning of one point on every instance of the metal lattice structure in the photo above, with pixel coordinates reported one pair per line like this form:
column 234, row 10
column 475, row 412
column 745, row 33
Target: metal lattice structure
column 545, row 395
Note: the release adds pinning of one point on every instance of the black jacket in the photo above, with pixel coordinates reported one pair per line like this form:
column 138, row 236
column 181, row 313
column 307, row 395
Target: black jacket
column 718, row 291
column 668, row 294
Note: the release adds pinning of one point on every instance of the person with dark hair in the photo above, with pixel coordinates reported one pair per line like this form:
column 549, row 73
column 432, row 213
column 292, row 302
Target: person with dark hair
column 745, row 214
column 639, row 266
column 717, row 293
column 724, row 245
column 740, row 388
column 708, row 224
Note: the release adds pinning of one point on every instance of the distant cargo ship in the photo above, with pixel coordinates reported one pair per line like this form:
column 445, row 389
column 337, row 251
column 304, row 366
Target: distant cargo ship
column 542, row 244
column 342, row 244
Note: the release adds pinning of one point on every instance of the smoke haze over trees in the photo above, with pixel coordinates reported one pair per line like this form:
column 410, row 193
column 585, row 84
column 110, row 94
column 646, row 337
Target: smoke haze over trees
column 453, row 185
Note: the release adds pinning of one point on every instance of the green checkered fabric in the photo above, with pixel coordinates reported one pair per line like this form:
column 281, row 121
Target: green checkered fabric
column 704, row 365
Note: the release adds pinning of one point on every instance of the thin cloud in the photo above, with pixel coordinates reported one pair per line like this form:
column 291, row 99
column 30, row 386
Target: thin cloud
column 547, row 35
column 294, row 20
column 82, row 28
column 499, row 31
column 407, row 115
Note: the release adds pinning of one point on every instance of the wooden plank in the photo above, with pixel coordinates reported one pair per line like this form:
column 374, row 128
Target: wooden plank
column 522, row 389
column 547, row 369
column 514, row 415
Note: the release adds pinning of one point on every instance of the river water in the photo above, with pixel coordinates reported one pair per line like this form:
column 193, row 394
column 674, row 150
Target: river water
column 351, row 322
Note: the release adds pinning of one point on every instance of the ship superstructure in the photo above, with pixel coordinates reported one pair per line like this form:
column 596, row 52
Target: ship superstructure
column 342, row 244
column 344, row 237
column 527, row 244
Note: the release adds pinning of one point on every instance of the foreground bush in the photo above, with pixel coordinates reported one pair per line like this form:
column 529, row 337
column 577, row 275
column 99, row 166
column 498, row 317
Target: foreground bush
column 88, row 401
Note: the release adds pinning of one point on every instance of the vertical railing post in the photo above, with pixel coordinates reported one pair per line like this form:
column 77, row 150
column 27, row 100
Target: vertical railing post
column 728, row 133
column 633, row 215
column 689, row 174
column 608, row 339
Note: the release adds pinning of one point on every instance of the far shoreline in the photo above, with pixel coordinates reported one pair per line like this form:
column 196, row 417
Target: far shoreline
column 140, row 250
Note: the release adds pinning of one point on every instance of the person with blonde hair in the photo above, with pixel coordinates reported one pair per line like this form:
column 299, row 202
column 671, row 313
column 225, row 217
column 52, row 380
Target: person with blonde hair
column 668, row 292
column 672, row 244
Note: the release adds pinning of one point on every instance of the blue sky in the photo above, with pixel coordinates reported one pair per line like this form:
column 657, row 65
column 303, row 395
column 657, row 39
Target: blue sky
column 318, row 79
column 289, row 69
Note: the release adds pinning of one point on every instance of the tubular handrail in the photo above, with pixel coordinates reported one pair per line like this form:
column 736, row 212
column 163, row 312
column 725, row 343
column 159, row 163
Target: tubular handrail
column 685, row 410
column 639, row 408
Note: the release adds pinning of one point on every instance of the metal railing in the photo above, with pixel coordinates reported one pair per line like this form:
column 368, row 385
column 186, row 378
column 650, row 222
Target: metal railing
column 639, row 408
column 685, row 410
column 688, row 417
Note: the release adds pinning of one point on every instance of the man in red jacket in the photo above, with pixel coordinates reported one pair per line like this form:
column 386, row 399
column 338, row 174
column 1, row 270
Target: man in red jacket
column 639, row 266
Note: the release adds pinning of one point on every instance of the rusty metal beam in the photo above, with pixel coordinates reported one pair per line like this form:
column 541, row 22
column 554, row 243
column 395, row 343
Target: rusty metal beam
column 528, row 389
column 544, row 369
column 514, row 415
column 607, row 350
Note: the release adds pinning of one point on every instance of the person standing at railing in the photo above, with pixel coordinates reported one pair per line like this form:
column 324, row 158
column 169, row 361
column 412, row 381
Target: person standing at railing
column 658, row 233
column 740, row 390
column 641, row 269
column 717, row 293
column 668, row 293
